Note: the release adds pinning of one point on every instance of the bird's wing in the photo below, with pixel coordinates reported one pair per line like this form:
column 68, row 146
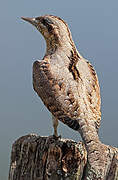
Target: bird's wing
column 41, row 80
column 52, row 94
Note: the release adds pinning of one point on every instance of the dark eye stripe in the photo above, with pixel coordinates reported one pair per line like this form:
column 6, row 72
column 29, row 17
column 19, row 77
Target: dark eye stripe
column 47, row 21
column 44, row 22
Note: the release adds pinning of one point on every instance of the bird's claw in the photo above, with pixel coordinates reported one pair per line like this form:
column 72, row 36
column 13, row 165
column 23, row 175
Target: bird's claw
column 56, row 137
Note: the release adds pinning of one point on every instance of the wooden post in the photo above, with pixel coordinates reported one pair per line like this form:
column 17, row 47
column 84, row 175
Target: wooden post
column 45, row 158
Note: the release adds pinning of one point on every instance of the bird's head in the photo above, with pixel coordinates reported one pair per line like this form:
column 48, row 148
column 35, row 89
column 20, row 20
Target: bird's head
column 53, row 28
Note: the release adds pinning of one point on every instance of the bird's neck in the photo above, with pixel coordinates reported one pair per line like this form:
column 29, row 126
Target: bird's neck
column 54, row 43
column 62, row 42
column 62, row 45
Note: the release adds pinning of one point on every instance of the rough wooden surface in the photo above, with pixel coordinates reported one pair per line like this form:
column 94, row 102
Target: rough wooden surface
column 45, row 158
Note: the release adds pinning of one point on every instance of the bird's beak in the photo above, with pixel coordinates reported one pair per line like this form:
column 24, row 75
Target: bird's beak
column 32, row 21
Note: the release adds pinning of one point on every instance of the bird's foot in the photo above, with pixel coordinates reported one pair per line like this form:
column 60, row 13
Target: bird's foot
column 56, row 137
column 53, row 138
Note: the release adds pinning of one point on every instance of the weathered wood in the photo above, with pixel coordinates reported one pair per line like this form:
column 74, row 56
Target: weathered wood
column 104, row 162
column 45, row 158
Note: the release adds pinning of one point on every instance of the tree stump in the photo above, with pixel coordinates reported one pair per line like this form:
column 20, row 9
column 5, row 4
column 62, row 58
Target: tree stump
column 46, row 158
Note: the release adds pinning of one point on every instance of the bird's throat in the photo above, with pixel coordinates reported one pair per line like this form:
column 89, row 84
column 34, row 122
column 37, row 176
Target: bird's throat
column 53, row 45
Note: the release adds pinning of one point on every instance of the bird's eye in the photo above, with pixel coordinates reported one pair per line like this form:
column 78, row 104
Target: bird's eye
column 46, row 21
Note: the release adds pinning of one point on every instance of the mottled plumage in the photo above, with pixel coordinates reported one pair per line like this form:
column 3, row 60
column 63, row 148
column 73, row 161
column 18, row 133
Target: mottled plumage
column 65, row 81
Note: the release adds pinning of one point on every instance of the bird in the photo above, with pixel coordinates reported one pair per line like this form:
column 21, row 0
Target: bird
column 65, row 81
